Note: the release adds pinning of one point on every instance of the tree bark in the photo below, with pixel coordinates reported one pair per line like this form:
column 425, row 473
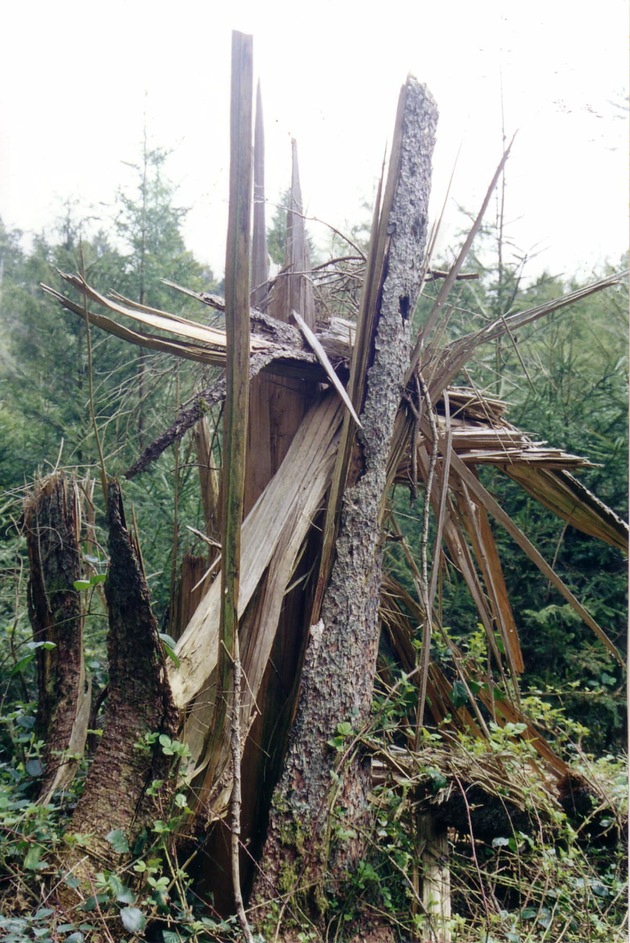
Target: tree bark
column 338, row 673
column 52, row 516
column 139, row 703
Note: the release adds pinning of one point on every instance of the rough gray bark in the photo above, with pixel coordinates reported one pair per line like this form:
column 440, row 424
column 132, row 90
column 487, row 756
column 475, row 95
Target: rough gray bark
column 339, row 667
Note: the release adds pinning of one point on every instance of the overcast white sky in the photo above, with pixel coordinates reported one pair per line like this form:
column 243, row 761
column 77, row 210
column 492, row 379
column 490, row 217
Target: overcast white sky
column 78, row 78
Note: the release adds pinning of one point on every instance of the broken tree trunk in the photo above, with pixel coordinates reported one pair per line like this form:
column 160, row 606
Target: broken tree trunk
column 338, row 673
column 436, row 879
column 139, row 702
column 52, row 518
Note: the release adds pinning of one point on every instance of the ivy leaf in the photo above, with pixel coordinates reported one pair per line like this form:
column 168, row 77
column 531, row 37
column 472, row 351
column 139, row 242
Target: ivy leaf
column 459, row 694
column 82, row 585
column 32, row 860
column 167, row 744
column 500, row 842
column 133, row 919
column 438, row 779
column 125, row 895
column 22, row 663
column 90, row 558
column 92, row 901
column 34, row 767
column 26, row 659
column 118, row 841
column 169, row 648
column 344, row 834
column 600, row 889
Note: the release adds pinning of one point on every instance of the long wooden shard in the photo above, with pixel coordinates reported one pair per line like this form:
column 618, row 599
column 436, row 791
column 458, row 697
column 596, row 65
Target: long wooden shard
column 238, row 345
column 260, row 257
column 558, row 490
column 299, row 484
column 493, row 507
column 235, row 435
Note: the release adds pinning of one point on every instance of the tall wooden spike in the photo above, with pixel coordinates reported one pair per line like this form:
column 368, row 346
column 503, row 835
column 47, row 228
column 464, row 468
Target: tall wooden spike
column 260, row 256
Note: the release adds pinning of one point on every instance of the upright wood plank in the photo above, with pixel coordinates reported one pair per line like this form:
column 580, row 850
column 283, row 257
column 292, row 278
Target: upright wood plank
column 237, row 309
column 260, row 256
column 237, row 267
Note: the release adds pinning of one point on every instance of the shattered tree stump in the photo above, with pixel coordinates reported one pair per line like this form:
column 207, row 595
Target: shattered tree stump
column 52, row 521
column 139, row 702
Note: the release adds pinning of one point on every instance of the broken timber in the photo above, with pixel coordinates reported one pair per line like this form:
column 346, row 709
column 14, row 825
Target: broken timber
column 348, row 632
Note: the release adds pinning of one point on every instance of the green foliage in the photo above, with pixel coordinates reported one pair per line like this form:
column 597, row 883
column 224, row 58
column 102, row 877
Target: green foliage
column 45, row 417
column 148, row 887
column 45, row 411
column 343, row 732
column 44, row 366
column 277, row 232
column 546, row 875
column 559, row 877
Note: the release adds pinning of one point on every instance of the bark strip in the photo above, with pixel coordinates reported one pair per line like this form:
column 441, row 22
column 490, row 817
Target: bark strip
column 52, row 517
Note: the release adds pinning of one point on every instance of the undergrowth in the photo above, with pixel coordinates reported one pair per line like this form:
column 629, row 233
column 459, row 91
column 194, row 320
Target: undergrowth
column 523, row 866
column 149, row 896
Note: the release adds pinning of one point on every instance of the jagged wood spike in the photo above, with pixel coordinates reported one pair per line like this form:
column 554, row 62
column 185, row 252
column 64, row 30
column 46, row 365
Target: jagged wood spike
column 495, row 509
column 260, row 255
